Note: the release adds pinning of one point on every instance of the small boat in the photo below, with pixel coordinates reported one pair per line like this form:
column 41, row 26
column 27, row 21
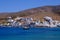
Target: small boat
column 25, row 28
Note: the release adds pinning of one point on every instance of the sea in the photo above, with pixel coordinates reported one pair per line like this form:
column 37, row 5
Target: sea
column 30, row 34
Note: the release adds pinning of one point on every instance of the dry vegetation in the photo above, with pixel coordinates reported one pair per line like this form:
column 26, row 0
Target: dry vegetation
column 36, row 13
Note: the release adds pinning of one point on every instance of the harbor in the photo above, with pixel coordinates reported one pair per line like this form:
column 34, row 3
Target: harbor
column 30, row 22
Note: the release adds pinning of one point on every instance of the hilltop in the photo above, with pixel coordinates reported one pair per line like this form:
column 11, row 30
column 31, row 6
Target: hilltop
column 36, row 13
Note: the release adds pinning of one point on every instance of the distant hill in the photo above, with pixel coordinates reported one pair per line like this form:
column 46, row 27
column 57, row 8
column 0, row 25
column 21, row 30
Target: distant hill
column 36, row 13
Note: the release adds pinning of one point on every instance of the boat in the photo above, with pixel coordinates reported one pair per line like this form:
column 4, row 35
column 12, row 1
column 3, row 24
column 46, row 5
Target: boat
column 26, row 28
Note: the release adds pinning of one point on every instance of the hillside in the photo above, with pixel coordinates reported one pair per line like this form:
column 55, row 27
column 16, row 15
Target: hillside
column 36, row 13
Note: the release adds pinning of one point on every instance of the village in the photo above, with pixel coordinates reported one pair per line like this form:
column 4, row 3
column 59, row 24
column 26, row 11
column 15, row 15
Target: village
column 30, row 22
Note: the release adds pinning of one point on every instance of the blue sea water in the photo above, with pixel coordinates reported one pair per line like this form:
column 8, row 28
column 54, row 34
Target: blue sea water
column 31, row 34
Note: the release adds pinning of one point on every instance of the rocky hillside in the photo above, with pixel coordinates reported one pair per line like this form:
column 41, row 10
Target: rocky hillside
column 36, row 13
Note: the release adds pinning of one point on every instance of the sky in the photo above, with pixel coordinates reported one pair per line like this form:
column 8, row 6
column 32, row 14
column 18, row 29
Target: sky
column 20, row 5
